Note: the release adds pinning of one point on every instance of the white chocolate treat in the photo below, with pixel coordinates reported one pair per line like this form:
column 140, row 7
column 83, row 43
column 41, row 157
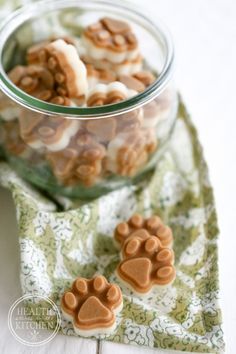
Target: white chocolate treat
column 159, row 109
column 94, row 332
column 127, row 67
column 113, row 92
column 51, row 133
column 71, row 66
column 110, row 39
column 92, row 305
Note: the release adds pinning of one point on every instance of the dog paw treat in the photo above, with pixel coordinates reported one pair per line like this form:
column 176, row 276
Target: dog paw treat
column 92, row 305
column 103, row 94
column 127, row 67
column 35, row 80
column 158, row 109
column 81, row 161
column 95, row 76
column 110, row 39
column 68, row 71
column 41, row 131
column 139, row 81
column 137, row 226
column 33, row 52
column 127, row 153
column 146, row 264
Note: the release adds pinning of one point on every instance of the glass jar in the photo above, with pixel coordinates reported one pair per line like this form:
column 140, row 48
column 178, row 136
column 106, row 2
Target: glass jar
column 84, row 152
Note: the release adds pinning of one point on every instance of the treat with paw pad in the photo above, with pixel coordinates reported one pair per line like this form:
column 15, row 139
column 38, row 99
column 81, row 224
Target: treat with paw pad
column 137, row 226
column 80, row 161
column 146, row 264
column 68, row 71
column 103, row 94
column 92, row 305
column 41, row 131
column 128, row 152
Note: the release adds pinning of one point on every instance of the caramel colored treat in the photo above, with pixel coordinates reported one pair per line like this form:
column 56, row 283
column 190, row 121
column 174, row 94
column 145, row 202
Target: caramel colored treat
column 142, row 228
column 132, row 83
column 92, row 305
column 103, row 129
column 146, row 77
column 95, row 76
column 68, row 71
column 158, row 109
column 33, row 52
column 34, row 80
column 110, row 39
column 50, row 132
column 103, row 94
column 81, row 161
column 128, row 152
column 145, row 264
column 127, row 67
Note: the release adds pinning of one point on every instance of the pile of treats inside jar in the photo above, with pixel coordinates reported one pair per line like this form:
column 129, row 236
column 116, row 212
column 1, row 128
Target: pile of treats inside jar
column 104, row 66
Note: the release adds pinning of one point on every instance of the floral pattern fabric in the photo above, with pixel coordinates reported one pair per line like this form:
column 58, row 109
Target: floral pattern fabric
column 57, row 246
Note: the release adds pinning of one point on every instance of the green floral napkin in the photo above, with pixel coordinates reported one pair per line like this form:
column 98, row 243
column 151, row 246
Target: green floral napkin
column 57, row 246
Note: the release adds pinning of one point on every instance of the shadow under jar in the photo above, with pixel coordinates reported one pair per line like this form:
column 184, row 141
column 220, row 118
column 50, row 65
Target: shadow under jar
column 77, row 151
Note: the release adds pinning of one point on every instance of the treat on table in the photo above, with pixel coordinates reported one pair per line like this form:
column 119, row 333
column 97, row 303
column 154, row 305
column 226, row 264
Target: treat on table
column 128, row 152
column 68, row 71
column 138, row 226
column 49, row 132
column 92, row 306
column 113, row 92
column 146, row 264
column 81, row 161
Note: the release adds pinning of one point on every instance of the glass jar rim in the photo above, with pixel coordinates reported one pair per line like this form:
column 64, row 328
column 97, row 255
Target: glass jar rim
column 12, row 91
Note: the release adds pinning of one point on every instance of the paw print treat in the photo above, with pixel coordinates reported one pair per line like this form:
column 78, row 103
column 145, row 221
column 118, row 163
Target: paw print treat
column 68, row 71
column 103, row 94
column 139, row 81
column 128, row 152
column 139, row 227
column 81, row 161
column 35, row 80
column 49, row 132
column 127, row 67
column 110, row 39
column 33, row 52
column 111, row 44
column 92, row 305
column 158, row 109
column 146, row 264
column 95, row 76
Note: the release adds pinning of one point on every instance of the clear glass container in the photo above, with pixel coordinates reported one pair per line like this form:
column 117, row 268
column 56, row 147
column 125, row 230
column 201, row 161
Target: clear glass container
column 84, row 152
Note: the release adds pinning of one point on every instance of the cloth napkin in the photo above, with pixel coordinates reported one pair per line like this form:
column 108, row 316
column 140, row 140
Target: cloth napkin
column 58, row 246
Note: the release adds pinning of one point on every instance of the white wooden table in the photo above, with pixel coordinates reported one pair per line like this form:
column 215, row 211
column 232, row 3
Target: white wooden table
column 204, row 32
